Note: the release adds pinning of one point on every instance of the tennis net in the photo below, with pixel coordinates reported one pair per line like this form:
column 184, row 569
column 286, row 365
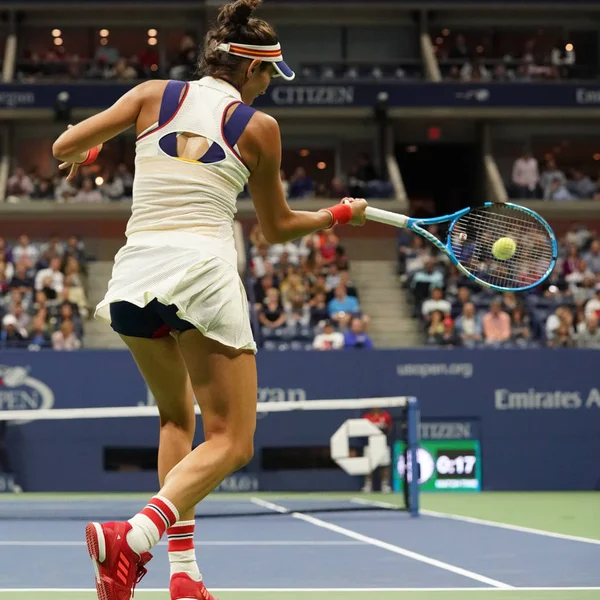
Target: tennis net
column 311, row 456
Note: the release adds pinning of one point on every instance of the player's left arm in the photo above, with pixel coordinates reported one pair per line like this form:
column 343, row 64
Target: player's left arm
column 73, row 145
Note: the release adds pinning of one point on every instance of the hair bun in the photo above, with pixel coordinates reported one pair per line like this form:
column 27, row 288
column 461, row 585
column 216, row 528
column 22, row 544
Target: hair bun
column 238, row 13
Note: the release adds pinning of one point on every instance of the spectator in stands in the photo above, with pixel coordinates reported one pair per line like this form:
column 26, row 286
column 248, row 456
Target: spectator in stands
column 38, row 336
column 64, row 190
column 10, row 334
column 20, row 184
column 25, row 250
column 429, row 275
column 592, row 258
column 259, row 262
column 301, row 185
column 21, row 280
column 562, row 317
column 261, row 289
column 468, row 325
column 563, row 59
column 510, row 302
column 356, row 337
column 54, row 247
column 51, row 277
column 589, row 337
column 113, row 188
column 436, row 327
column 570, row 262
column 318, row 309
column 22, row 318
column 4, row 282
column 459, row 50
column 525, row 176
column 551, row 174
column 581, row 185
column 520, row 325
column 291, row 287
column 43, row 191
column 474, row 70
column 563, row 338
column 558, row 191
column 67, row 313
column 297, row 312
column 362, row 173
column 76, row 249
column 333, row 277
column 342, row 306
column 271, row 314
column 592, row 308
column 576, row 278
column 449, row 337
column 496, row 324
column 87, row 193
column 123, row 70
column 435, row 303
column 328, row 338
column 126, row 176
column 65, row 338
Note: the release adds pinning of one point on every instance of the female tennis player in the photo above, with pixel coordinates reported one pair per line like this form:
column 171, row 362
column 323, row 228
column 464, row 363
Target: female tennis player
column 175, row 296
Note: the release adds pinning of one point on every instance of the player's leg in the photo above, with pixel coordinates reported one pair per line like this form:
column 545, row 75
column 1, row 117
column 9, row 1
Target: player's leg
column 162, row 366
column 225, row 385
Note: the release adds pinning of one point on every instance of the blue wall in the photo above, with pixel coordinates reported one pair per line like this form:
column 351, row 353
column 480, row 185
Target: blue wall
column 537, row 412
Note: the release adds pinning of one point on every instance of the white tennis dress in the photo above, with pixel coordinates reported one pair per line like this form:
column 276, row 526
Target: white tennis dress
column 180, row 246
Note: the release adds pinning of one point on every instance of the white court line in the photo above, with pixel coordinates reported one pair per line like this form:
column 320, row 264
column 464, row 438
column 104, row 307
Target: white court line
column 383, row 545
column 321, row 590
column 199, row 543
column 442, row 515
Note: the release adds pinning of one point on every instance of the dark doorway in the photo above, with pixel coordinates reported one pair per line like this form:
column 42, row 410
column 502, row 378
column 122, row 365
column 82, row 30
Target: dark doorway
column 448, row 175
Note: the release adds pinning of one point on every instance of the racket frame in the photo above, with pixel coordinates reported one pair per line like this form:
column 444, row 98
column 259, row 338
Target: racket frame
column 416, row 225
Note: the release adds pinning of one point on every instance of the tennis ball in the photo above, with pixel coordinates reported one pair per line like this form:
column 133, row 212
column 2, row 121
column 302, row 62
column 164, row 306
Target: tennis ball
column 504, row 248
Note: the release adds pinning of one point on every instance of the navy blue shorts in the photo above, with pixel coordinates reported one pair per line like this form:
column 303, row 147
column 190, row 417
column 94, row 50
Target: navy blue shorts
column 153, row 321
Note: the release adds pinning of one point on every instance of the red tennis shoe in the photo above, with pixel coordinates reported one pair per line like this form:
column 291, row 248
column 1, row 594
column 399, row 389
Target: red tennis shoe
column 117, row 567
column 183, row 587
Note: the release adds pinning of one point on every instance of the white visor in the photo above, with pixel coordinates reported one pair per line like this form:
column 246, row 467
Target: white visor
column 270, row 54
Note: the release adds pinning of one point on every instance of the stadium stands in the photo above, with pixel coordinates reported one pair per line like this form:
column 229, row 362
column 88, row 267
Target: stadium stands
column 43, row 301
column 562, row 312
column 302, row 295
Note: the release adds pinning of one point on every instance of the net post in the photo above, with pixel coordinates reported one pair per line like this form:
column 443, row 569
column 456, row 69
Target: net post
column 413, row 418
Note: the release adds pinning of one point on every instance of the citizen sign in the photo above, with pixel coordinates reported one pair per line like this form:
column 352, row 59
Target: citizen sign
column 320, row 95
column 546, row 400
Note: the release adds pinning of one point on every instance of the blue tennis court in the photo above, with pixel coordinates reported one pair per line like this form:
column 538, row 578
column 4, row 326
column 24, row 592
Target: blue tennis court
column 375, row 554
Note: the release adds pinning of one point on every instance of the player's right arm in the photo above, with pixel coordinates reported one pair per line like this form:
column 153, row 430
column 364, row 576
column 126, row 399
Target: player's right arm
column 279, row 223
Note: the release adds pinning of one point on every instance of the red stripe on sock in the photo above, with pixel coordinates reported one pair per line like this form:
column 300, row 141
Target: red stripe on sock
column 181, row 530
column 158, row 521
column 171, row 517
column 181, row 545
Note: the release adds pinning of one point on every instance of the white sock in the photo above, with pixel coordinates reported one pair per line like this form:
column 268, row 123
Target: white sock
column 182, row 554
column 149, row 525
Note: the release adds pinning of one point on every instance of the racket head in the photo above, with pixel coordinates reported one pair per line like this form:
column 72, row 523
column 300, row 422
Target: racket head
column 471, row 237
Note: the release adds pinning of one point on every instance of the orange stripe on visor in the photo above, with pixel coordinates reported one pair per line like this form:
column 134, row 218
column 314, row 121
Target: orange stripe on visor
column 271, row 54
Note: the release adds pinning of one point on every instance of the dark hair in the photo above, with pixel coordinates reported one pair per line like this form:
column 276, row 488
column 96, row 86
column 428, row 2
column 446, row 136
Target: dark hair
column 235, row 24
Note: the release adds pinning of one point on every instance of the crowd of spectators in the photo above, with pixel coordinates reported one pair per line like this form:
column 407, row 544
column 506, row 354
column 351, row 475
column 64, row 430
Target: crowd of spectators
column 361, row 181
column 43, row 301
column 303, row 296
column 89, row 186
column 552, row 183
column 562, row 312
column 474, row 58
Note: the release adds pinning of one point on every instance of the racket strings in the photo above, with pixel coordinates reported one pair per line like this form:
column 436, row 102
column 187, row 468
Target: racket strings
column 474, row 235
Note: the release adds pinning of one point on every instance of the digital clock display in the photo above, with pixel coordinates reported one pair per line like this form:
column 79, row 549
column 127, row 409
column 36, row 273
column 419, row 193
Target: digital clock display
column 444, row 465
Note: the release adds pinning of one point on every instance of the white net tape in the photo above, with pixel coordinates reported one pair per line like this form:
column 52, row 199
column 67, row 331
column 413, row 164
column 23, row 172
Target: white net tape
column 150, row 411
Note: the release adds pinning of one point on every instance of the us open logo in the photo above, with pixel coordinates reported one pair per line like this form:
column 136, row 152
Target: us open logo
column 19, row 391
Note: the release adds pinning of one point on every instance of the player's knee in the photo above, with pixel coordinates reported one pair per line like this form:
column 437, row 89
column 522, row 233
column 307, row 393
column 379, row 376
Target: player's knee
column 242, row 453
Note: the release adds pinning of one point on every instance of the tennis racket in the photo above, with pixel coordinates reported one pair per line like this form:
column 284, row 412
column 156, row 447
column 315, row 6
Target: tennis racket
column 502, row 246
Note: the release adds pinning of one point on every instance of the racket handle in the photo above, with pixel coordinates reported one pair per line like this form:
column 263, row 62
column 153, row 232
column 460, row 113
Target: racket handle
column 387, row 217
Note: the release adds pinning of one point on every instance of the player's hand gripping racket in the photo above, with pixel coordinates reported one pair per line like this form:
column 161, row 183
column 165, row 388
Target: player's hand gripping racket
column 505, row 247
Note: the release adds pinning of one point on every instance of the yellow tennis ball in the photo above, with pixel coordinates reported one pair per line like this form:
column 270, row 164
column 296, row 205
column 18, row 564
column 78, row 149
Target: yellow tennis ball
column 504, row 248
